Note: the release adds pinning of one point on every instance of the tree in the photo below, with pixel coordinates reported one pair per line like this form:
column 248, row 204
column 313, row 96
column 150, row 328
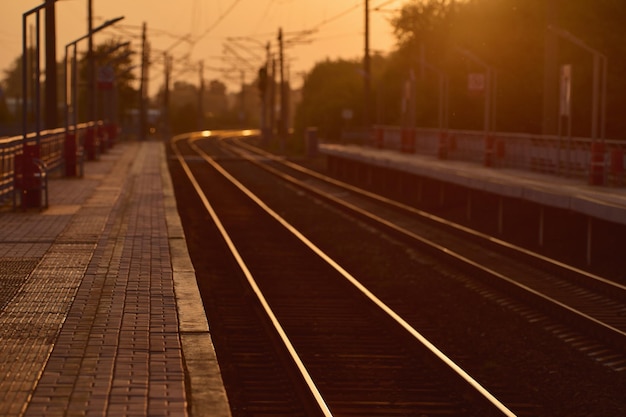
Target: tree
column 12, row 80
column 510, row 36
column 5, row 115
column 12, row 86
column 116, row 55
column 329, row 89
column 216, row 100
column 426, row 23
column 183, row 107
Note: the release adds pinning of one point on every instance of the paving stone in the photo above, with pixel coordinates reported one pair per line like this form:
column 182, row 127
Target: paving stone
column 88, row 309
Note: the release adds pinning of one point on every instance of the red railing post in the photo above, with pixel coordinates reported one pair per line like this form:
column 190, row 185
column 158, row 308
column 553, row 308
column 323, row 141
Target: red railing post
column 91, row 143
column 103, row 136
column 596, row 165
column 112, row 131
column 442, row 150
column 380, row 137
column 617, row 166
column 27, row 182
column 71, row 154
column 489, row 150
column 407, row 140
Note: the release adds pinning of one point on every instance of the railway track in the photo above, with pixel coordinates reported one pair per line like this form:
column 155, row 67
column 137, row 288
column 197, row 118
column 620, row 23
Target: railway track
column 503, row 270
column 579, row 299
column 301, row 335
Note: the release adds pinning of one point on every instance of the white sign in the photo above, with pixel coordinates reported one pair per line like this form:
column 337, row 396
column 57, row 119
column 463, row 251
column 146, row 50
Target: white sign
column 476, row 82
column 565, row 94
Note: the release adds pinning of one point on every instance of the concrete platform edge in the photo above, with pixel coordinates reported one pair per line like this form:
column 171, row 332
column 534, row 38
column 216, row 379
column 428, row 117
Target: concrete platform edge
column 548, row 191
column 205, row 386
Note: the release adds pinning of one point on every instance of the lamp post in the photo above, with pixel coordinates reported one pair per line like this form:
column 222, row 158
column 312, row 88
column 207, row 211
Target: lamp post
column 51, row 116
column 71, row 99
column 282, row 125
column 490, row 85
column 36, row 85
column 490, row 89
column 91, row 64
column 442, row 107
column 26, row 180
column 367, row 69
column 598, row 105
column 598, row 109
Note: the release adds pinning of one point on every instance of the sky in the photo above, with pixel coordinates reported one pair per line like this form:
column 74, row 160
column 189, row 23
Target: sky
column 228, row 34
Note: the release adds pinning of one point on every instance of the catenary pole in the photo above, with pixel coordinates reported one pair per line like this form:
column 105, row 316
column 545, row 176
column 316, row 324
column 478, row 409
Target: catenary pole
column 92, row 65
column 51, row 93
column 366, row 69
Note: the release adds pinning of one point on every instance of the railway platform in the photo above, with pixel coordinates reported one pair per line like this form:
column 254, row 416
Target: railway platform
column 100, row 313
column 603, row 202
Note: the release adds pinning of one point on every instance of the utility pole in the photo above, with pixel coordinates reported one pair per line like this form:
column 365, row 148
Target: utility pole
column 272, row 99
column 142, row 87
column 24, row 162
column 550, row 119
column 366, row 69
column 242, row 114
column 34, row 71
column 201, row 98
column 91, row 95
column 51, row 113
column 282, row 121
column 264, row 86
column 166, row 96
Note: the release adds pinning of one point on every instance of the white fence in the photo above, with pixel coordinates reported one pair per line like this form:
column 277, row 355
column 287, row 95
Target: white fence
column 601, row 162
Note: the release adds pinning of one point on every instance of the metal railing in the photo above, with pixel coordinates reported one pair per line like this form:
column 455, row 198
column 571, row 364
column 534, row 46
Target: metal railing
column 51, row 154
column 602, row 162
column 9, row 147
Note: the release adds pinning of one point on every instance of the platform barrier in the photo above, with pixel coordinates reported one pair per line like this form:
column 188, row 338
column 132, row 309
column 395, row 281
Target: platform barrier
column 407, row 141
column 596, row 164
column 71, row 154
column 60, row 150
column 92, row 143
column 572, row 157
column 311, row 142
column 379, row 137
column 442, row 149
column 30, row 189
column 616, row 169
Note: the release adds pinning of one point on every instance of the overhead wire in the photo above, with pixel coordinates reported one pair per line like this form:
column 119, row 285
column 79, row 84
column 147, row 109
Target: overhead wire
column 270, row 3
column 337, row 16
column 192, row 41
column 384, row 4
column 218, row 21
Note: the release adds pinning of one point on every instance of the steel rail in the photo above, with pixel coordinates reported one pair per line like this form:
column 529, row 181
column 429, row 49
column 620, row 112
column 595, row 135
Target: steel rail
column 613, row 286
column 482, row 391
column 244, row 268
column 615, row 335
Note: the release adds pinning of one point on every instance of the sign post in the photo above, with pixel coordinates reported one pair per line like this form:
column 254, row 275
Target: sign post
column 565, row 112
column 486, row 84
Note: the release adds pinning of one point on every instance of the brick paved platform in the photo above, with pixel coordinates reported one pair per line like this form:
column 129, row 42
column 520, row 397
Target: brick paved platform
column 99, row 309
